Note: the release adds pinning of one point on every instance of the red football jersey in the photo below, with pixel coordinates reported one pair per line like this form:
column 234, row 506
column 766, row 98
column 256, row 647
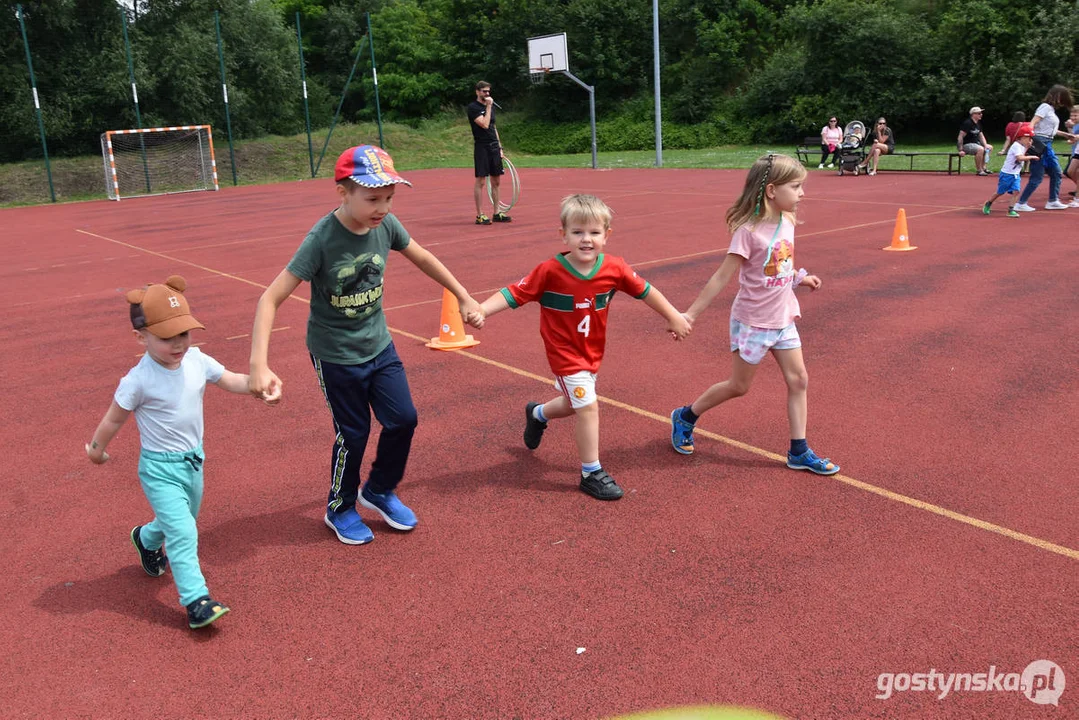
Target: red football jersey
column 573, row 307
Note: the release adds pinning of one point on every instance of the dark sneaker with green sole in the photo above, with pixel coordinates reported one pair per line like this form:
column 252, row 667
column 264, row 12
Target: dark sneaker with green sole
column 153, row 561
column 204, row 611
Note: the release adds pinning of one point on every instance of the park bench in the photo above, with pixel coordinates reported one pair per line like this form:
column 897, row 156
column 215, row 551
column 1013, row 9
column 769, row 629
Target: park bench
column 952, row 156
column 812, row 145
column 809, row 145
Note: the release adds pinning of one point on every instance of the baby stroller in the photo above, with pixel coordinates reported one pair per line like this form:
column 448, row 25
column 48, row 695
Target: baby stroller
column 852, row 148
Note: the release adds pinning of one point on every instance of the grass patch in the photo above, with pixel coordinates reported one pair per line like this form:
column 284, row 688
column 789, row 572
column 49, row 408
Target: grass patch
column 443, row 142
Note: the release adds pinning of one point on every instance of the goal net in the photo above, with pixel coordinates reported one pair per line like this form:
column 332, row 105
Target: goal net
column 154, row 161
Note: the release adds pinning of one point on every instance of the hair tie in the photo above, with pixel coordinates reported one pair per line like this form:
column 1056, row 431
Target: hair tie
column 764, row 183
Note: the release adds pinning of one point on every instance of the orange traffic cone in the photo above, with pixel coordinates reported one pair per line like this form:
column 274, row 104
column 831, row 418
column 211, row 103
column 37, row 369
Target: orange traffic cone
column 451, row 331
column 900, row 237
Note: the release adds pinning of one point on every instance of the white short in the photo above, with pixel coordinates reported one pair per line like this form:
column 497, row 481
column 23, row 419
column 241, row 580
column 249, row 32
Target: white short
column 753, row 343
column 579, row 388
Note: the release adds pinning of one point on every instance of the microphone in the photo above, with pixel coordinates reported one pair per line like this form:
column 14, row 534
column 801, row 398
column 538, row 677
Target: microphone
column 496, row 104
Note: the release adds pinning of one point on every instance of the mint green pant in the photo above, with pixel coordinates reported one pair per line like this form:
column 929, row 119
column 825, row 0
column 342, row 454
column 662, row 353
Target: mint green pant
column 172, row 483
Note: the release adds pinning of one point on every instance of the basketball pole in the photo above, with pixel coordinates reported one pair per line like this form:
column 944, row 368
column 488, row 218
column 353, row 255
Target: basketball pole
column 591, row 110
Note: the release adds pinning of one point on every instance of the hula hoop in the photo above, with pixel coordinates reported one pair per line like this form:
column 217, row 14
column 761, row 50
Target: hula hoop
column 515, row 182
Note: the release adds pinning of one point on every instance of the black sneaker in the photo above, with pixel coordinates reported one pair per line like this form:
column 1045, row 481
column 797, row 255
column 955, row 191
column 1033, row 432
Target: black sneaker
column 533, row 427
column 153, row 561
column 204, row 611
column 502, row 217
column 601, row 486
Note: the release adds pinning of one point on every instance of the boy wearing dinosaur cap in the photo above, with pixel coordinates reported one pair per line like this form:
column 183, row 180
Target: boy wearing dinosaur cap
column 164, row 391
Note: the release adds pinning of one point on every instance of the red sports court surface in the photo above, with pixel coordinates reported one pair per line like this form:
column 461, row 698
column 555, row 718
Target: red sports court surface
column 942, row 380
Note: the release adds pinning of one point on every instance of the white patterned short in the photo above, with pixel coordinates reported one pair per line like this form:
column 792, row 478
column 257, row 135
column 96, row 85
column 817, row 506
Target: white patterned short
column 753, row 343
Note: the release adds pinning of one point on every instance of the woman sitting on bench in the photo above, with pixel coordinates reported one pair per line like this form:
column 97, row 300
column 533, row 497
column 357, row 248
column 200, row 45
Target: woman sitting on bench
column 881, row 141
column 831, row 136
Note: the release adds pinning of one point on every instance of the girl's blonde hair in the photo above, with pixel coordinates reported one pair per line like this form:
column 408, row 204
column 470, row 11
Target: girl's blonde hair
column 753, row 204
column 585, row 207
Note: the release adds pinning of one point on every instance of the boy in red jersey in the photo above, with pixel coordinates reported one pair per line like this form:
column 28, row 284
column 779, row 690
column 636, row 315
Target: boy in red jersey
column 574, row 290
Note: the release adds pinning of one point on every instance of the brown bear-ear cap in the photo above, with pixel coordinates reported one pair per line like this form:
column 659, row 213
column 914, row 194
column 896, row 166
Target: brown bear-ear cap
column 177, row 283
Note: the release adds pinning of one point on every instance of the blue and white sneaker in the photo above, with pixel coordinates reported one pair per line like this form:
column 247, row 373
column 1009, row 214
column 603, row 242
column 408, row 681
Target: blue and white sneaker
column 348, row 527
column 809, row 461
column 681, row 433
column 389, row 506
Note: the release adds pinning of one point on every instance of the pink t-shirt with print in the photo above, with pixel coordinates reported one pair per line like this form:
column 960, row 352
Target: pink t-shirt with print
column 766, row 281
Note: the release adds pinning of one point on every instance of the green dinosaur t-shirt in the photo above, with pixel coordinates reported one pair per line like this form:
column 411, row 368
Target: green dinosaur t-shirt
column 346, row 325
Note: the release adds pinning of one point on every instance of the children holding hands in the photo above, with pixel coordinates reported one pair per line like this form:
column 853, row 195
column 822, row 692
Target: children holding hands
column 164, row 392
column 575, row 290
column 1008, row 180
column 344, row 258
column 764, row 311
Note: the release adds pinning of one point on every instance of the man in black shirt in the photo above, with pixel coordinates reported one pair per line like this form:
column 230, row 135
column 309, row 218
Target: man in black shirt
column 971, row 140
column 487, row 153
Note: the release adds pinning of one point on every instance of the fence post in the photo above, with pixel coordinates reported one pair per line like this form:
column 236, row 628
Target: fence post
column 359, row 52
column 37, row 105
column 374, row 77
column 225, row 92
column 306, row 112
column 135, row 95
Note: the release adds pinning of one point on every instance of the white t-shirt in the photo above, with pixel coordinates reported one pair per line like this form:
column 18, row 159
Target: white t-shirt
column 168, row 403
column 1012, row 166
column 1049, row 123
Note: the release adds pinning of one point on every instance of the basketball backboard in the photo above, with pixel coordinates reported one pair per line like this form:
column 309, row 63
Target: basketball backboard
column 548, row 52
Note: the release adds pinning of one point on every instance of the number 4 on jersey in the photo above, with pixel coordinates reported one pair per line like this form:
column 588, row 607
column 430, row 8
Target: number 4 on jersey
column 585, row 325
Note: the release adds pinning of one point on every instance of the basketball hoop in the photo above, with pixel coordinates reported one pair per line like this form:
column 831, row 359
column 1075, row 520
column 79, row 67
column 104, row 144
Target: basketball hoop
column 538, row 75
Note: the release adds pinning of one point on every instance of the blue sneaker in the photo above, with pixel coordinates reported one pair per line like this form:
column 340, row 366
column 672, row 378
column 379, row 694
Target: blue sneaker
column 389, row 506
column 348, row 527
column 681, row 433
column 809, row 461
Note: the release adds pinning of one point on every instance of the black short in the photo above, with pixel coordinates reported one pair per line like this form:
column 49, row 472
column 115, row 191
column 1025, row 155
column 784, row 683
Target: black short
column 488, row 160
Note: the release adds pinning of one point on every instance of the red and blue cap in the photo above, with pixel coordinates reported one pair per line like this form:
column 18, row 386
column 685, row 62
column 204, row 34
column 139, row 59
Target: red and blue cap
column 368, row 166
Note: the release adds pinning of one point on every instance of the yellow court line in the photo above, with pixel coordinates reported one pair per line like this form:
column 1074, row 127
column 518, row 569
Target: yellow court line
column 882, row 492
column 273, row 330
column 867, row 487
column 713, row 251
column 169, row 257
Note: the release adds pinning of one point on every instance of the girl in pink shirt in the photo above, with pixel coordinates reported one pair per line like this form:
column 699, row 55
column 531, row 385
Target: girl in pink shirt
column 764, row 311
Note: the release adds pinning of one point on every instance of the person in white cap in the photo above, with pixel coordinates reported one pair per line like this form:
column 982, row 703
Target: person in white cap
column 972, row 141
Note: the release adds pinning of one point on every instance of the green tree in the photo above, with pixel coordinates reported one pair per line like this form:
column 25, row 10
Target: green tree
column 176, row 44
column 410, row 55
column 78, row 55
column 709, row 49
